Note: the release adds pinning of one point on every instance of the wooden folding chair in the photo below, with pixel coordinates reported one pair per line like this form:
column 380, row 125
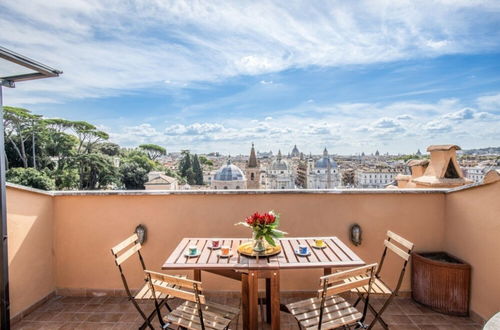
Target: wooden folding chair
column 195, row 312
column 122, row 254
column 379, row 286
column 328, row 310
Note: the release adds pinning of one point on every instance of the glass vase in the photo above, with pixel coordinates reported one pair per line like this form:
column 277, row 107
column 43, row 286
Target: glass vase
column 258, row 244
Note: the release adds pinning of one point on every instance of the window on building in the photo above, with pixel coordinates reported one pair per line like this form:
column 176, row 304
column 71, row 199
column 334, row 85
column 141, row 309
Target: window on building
column 252, row 176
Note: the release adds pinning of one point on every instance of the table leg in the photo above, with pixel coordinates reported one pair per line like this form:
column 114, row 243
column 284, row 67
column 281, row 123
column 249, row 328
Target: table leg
column 268, row 300
column 253, row 300
column 244, row 300
column 275, row 300
column 327, row 271
column 197, row 275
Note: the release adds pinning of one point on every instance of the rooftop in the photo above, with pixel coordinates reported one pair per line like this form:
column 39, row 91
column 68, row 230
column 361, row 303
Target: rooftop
column 63, row 276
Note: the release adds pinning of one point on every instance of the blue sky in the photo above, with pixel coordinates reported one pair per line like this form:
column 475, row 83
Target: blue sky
column 352, row 76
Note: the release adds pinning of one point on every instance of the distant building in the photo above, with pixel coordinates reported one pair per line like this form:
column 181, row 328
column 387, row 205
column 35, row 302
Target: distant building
column 295, row 152
column 279, row 175
column 161, row 181
column 441, row 171
column 477, row 173
column 324, row 174
column 376, row 177
column 229, row 176
column 303, row 169
column 252, row 171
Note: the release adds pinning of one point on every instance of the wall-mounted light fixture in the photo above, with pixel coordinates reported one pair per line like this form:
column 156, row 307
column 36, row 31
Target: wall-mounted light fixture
column 355, row 233
column 141, row 232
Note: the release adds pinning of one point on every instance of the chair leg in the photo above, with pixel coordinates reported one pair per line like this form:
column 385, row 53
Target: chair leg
column 374, row 311
column 378, row 315
column 360, row 295
column 147, row 321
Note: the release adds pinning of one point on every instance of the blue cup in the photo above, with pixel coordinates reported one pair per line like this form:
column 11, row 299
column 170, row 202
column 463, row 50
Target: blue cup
column 193, row 250
column 303, row 249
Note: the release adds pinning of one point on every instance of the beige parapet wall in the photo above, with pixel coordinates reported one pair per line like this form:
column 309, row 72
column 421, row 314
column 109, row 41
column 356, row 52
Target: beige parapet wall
column 31, row 241
column 75, row 231
column 472, row 233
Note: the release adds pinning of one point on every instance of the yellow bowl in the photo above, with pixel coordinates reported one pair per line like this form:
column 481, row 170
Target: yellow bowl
column 247, row 250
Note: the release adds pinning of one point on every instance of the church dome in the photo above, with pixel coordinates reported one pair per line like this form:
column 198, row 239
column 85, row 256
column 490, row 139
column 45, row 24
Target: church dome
column 325, row 161
column 229, row 172
column 279, row 164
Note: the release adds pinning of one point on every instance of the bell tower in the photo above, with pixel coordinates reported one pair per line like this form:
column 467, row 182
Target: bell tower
column 252, row 171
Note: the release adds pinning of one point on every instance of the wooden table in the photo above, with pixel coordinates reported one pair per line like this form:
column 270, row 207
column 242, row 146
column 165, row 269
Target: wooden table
column 249, row 270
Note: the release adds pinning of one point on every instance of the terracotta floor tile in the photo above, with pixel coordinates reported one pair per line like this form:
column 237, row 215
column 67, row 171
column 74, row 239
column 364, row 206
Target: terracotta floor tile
column 47, row 316
column 95, row 326
column 130, row 317
column 104, row 317
column 119, row 313
column 89, row 308
column 72, row 307
column 427, row 319
column 71, row 317
column 397, row 319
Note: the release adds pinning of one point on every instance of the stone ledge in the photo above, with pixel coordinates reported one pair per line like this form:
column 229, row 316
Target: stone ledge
column 229, row 192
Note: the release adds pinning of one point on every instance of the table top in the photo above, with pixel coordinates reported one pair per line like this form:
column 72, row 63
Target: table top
column 335, row 254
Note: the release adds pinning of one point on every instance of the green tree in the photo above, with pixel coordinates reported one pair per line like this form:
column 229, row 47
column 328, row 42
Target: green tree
column 88, row 136
column 20, row 126
column 133, row 175
column 96, row 171
column 108, row 148
column 66, row 178
column 153, row 151
column 30, row 177
column 197, row 171
column 186, row 167
column 134, row 169
column 205, row 161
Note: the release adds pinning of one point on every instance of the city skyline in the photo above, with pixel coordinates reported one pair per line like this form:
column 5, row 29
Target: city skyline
column 215, row 77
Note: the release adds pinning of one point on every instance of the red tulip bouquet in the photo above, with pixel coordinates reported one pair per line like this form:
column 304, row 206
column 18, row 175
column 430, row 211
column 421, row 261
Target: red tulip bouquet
column 264, row 227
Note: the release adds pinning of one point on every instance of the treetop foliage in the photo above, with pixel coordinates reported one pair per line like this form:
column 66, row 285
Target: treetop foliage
column 56, row 153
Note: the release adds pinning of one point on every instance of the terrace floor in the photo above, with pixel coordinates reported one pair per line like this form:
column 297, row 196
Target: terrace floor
column 117, row 313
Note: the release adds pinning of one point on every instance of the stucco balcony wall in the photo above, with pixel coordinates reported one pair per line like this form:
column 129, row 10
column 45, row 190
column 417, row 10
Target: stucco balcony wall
column 74, row 231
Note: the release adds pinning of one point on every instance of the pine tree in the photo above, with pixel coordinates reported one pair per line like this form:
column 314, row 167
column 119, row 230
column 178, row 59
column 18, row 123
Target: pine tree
column 185, row 163
column 198, row 173
column 186, row 168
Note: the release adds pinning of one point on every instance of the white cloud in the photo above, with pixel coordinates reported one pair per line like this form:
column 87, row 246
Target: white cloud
column 437, row 127
column 193, row 129
column 112, row 47
column 464, row 114
column 490, row 102
column 386, row 123
column 338, row 128
column 404, row 117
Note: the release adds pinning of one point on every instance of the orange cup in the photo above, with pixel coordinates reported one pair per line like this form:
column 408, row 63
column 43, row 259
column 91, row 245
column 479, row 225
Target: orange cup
column 224, row 250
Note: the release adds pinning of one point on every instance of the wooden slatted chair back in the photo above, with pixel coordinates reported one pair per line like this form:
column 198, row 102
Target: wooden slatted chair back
column 402, row 248
column 184, row 288
column 122, row 252
column 336, row 283
column 125, row 249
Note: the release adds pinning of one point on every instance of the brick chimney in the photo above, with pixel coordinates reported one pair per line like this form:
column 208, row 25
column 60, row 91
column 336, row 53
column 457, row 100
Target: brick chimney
column 441, row 171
